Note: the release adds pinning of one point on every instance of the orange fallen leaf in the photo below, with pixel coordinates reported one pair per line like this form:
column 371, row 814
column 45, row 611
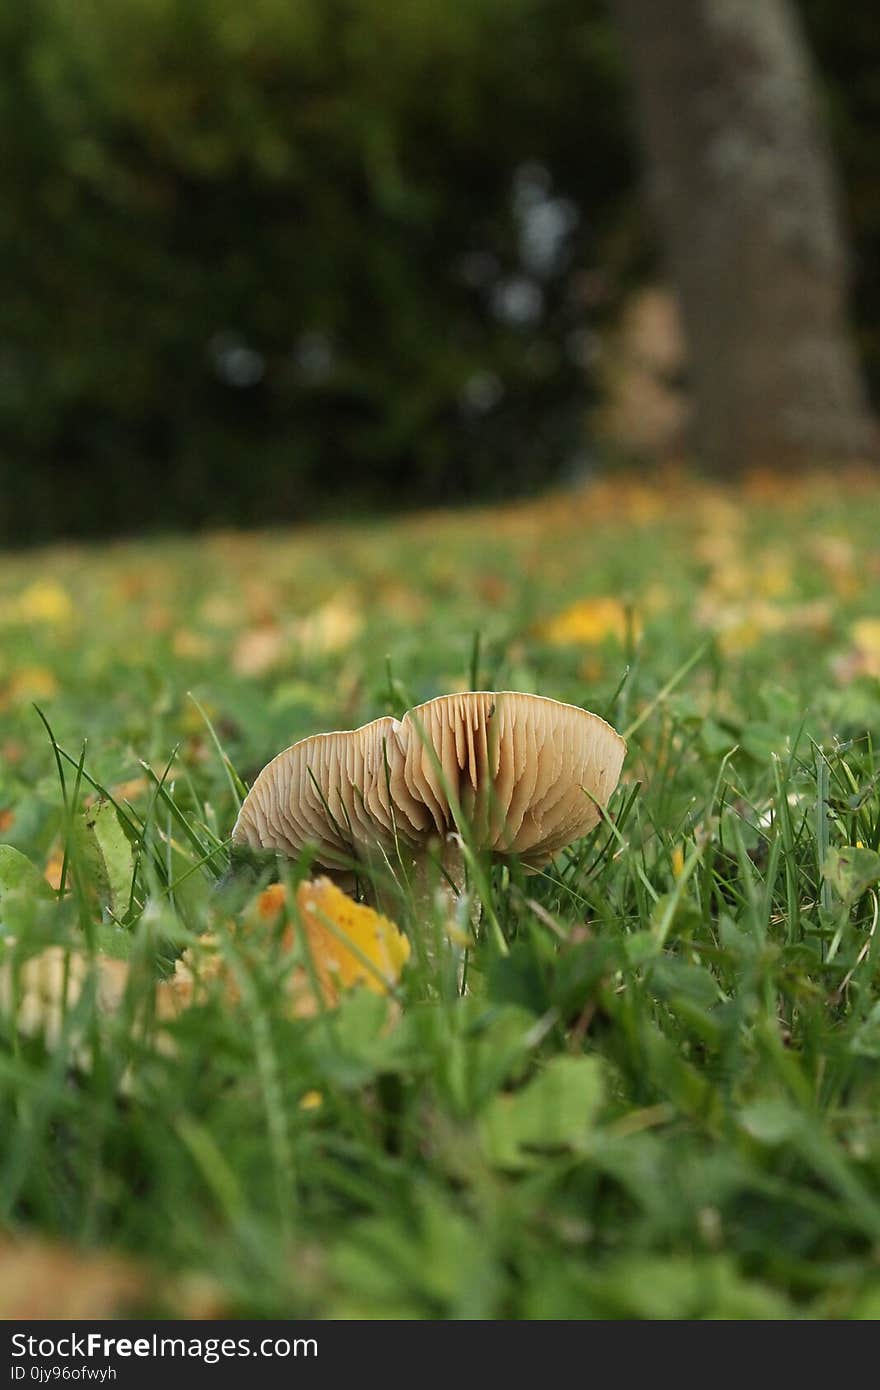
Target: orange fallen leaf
column 52, row 871
column 158, row 618
column 271, row 901
column 129, row 790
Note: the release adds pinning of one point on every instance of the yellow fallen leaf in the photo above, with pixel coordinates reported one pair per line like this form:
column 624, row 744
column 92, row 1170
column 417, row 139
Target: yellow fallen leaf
column 330, row 628
column 589, row 621
column 29, row 683
column 866, row 644
column 866, row 635
column 41, row 602
column 350, row 943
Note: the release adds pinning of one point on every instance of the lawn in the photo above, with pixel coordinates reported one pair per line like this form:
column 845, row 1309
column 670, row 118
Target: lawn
column 641, row 1083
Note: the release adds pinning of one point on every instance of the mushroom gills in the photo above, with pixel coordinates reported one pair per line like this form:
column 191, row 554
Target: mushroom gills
column 514, row 773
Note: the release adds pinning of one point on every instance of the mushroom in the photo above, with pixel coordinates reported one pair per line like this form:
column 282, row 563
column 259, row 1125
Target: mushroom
column 513, row 773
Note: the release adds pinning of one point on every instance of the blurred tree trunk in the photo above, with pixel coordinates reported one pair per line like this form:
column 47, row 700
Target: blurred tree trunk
column 740, row 172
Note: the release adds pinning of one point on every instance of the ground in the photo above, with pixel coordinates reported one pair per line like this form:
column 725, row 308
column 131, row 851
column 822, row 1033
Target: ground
column 656, row 1096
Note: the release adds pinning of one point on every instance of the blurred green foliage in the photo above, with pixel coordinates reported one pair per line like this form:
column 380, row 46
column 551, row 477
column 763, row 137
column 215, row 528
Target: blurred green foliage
column 261, row 261
column 258, row 257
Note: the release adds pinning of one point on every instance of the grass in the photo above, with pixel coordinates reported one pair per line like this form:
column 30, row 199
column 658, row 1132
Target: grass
column 661, row 1098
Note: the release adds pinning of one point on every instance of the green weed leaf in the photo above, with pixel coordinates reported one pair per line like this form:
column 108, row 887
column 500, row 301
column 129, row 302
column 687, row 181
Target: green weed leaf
column 554, row 1111
column 851, row 870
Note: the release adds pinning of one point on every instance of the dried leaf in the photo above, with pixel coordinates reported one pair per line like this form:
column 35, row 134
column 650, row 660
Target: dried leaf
column 42, row 990
column 350, row 943
column 258, row 650
column 39, row 1280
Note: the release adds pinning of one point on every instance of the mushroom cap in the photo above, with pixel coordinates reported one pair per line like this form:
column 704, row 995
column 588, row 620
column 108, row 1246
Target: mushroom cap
column 525, row 774
column 328, row 791
column 529, row 773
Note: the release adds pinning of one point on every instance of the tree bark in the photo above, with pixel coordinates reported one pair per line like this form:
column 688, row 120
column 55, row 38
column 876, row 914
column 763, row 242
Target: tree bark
column 741, row 176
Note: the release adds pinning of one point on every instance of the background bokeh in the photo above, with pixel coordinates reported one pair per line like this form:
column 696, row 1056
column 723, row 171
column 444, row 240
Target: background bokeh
column 267, row 262
column 271, row 262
